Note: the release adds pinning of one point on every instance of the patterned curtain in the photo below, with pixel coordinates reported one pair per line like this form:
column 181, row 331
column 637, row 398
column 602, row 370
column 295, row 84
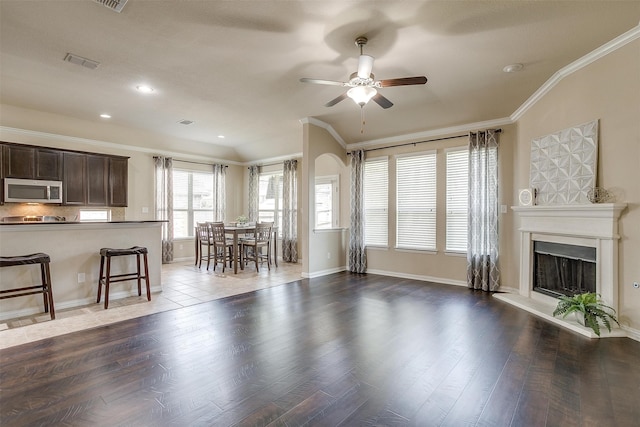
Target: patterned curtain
column 164, row 203
column 219, row 192
column 357, row 254
column 482, row 252
column 290, row 211
column 254, row 182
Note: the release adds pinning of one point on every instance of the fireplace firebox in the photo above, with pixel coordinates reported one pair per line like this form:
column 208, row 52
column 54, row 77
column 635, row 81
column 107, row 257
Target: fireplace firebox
column 562, row 269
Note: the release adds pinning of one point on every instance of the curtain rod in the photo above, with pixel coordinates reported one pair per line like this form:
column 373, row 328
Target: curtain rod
column 195, row 163
column 421, row 142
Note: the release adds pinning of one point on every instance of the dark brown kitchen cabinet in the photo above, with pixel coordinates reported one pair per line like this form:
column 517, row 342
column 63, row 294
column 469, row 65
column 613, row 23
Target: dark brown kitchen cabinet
column 74, row 180
column 88, row 179
column 97, row 180
column 118, row 181
column 20, row 161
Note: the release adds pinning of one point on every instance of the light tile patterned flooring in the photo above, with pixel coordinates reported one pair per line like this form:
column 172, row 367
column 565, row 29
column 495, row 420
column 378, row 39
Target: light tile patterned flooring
column 183, row 284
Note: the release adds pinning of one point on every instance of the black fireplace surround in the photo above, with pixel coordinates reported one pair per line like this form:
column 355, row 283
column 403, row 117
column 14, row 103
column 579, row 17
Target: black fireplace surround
column 560, row 269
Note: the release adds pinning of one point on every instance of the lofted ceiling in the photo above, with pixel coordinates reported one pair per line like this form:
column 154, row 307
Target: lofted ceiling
column 233, row 67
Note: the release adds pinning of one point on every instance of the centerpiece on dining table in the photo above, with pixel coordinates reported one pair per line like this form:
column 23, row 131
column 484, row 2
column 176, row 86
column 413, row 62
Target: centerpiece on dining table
column 241, row 220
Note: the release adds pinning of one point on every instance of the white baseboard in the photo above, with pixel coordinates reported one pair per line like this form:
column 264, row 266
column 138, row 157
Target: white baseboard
column 323, row 272
column 632, row 333
column 423, row 278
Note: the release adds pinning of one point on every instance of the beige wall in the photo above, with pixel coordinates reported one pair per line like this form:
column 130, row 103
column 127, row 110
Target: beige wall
column 440, row 266
column 322, row 251
column 608, row 90
column 37, row 128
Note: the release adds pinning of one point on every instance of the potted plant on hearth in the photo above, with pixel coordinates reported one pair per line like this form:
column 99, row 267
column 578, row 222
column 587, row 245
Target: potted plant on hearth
column 590, row 310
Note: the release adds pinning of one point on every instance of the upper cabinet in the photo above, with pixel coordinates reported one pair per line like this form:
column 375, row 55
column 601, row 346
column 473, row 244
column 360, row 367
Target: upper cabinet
column 74, row 182
column 118, row 181
column 88, row 179
column 27, row 162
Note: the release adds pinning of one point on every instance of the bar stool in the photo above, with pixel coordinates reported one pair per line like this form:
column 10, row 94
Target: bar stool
column 45, row 275
column 107, row 279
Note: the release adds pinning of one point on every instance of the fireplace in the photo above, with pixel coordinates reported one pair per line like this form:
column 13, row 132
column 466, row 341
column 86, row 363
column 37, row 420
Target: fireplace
column 584, row 241
column 561, row 269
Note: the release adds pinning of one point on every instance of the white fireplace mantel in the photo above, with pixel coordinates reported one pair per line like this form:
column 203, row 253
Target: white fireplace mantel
column 593, row 225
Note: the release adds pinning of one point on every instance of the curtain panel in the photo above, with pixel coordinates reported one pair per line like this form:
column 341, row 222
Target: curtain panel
column 254, row 182
column 219, row 192
column 164, row 203
column 357, row 254
column 290, row 211
column 482, row 251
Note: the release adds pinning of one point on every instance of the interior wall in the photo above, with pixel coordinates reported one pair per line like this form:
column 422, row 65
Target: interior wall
column 439, row 265
column 56, row 131
column 322, row 251
column 609, row 90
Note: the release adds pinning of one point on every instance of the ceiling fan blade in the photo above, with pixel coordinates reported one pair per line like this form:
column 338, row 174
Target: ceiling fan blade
column 382, row 101
column 404, row 81
column 322, row 82
column 334, row 101
column 365, row 65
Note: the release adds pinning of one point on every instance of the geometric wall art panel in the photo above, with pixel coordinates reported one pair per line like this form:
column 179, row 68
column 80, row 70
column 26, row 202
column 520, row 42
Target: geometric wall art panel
column 564, row 165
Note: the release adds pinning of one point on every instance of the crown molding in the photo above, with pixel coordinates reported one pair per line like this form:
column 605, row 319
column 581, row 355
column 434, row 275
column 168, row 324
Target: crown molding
column 113, row 145
column 435, row 133
column 576, row 65
column 273, row 160
column 325, row 126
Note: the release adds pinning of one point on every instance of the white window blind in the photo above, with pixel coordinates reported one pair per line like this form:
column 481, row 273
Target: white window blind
column 376, row 204
column 416, row 201
column 270, row 198
column 192, row 201
column 457, row 200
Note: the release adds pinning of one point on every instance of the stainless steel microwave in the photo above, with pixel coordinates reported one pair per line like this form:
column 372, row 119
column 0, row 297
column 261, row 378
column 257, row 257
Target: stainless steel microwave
column 32, row 191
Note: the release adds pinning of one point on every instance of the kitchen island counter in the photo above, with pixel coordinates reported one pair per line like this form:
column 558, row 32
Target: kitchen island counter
column 75, row 260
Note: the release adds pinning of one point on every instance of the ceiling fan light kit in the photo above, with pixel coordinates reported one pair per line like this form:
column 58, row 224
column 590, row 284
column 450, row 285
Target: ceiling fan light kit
column 361, row 94
column 363, row 85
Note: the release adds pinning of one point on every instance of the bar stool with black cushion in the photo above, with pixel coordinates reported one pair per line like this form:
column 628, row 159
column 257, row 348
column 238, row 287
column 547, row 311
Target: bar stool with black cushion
column 45, row 276
column 261, row 239
column 108, row 278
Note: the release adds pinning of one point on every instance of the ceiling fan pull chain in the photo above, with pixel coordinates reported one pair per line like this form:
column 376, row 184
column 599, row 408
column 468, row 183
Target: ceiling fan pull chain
column 362, row 119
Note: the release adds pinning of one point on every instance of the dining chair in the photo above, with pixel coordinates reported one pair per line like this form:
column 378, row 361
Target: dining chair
column 223, row 247
column 271, row 252
column 261, row 239
column 204, row 240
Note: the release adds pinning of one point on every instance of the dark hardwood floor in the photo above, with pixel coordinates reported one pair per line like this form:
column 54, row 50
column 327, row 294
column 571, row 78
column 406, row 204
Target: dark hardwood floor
column 344, row 349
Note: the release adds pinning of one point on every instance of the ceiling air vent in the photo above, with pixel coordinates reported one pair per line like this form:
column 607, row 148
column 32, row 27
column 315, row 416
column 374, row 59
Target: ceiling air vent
column 185, row 122
column 116, row 5
column 79, row 60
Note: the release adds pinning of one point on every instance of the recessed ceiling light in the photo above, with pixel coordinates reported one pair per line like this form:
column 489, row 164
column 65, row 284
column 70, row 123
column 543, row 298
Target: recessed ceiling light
column 105, row 116
column 513, row 68
column 144, row 89
column 221, row 136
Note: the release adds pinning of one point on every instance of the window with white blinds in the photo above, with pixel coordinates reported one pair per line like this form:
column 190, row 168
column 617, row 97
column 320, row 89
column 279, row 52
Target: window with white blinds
column 457, row 200
column 416, row 201
column 376, row 204
column 192, row 201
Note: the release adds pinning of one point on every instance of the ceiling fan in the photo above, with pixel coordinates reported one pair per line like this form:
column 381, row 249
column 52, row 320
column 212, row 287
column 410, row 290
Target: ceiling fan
column 362, row 84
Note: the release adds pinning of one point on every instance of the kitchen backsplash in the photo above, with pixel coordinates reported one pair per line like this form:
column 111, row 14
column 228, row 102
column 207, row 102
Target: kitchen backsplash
column 69, row 212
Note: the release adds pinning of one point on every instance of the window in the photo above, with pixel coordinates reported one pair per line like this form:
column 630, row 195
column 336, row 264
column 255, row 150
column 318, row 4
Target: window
column 457, row 199
column 93, row 215
column 192, row 201
column 376, row 192
column 416, row 201
column 270, row 198
column 327, row 199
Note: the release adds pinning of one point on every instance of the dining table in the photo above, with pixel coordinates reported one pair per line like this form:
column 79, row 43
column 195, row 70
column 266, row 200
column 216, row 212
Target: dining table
column 236, row 231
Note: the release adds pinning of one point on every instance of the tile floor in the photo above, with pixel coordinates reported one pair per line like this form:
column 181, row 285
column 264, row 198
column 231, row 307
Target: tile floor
column 183, row 284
